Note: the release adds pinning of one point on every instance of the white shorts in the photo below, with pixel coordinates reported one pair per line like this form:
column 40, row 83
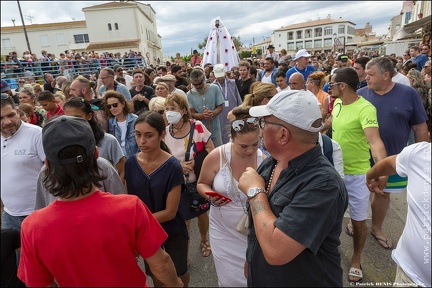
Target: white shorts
column 358, row 195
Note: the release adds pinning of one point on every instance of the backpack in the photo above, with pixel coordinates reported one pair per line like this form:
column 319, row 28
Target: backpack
column 328, row 148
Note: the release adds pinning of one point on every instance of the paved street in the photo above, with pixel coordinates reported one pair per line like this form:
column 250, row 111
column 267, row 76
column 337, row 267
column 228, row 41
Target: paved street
column 378, row 267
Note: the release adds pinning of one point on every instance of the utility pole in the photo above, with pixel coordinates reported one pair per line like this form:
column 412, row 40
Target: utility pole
column 25, row 30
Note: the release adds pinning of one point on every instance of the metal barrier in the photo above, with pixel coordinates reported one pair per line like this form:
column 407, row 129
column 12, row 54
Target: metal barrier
column 11, row 71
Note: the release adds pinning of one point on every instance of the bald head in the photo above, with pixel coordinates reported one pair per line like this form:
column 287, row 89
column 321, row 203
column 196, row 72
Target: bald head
column 296, row 81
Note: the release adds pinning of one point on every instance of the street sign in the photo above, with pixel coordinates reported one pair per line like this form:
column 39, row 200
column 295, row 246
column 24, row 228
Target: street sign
column 337, row 42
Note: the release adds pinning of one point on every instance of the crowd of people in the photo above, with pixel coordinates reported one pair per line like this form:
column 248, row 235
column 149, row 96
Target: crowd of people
column 102, row 160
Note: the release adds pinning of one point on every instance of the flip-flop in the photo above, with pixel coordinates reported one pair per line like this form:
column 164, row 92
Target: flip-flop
column 349, row 229
column 355, row 272
column 382, row 242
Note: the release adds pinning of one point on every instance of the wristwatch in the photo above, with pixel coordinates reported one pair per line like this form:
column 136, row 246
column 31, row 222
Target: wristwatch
column 252, row 192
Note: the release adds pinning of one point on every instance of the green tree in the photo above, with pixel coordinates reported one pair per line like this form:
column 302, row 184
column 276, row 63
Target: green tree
column 245, row 54
column 236, row 40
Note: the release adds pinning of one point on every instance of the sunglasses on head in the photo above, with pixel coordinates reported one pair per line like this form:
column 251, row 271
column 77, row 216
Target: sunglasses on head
column 252, row 122
column 4, row 96
column 115, row 105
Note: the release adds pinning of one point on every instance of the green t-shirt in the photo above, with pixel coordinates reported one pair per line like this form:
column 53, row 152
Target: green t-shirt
column 348, row 124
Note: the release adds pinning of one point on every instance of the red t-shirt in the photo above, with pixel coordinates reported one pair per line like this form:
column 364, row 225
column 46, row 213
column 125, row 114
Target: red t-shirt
column 89, row 242
column 59, row 111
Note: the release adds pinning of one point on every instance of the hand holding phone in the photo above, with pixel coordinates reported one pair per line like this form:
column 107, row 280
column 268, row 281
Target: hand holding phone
column 216, row 194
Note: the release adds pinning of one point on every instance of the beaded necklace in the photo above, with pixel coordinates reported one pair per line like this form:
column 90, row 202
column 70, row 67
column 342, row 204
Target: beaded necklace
column 271, row 179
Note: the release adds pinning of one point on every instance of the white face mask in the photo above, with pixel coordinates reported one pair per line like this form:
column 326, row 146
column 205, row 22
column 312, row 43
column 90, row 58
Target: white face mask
column 173, row 117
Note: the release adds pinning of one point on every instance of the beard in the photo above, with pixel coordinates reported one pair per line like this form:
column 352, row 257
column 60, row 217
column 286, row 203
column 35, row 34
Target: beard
column 202, row 90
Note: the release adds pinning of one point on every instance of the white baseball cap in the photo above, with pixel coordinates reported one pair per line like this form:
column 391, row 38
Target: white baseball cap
column 219, row 70
column 302, row 53
column 296, row 107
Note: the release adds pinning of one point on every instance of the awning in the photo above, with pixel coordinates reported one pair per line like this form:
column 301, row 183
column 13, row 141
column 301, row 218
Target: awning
column 413, row 26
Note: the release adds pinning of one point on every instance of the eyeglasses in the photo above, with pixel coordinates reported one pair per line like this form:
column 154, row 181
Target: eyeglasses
column 330, row 84
column 115, row 105
column 252, row 122
column 263, row 123
column 23, row 82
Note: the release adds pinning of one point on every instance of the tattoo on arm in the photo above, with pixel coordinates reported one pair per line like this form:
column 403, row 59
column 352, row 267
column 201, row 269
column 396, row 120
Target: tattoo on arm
column 258, row 207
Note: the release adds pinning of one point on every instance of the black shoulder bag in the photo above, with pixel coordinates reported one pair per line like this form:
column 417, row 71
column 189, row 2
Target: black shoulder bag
column 192, row 204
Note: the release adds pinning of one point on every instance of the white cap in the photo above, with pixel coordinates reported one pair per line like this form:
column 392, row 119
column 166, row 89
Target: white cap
column 219, row 70
column 301, row 53
column 296, row 107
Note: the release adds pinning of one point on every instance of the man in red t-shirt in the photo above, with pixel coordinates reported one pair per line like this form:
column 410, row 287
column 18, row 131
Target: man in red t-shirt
column 47, row 101
column 196, row 59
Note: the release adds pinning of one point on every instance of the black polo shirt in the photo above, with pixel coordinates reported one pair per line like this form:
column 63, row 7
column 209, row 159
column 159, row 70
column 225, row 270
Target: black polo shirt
column 309, row 201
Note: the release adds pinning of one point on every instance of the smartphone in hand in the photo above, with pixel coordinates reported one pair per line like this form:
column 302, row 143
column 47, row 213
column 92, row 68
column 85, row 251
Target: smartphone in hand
column 216, row 194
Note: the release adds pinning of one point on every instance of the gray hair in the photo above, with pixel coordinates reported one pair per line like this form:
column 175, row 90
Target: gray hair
column 197, row 75
column 383, row 64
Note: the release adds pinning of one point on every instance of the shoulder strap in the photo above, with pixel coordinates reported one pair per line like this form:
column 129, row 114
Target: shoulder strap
column 328, row 148
column 187, row 154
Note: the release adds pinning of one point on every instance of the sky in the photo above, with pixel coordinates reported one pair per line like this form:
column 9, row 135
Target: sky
column 184, row 24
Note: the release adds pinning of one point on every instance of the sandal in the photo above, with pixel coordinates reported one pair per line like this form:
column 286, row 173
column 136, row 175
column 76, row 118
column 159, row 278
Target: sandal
column 349, row 230
column 355, row 272
column 205, row 248
column 385, row 243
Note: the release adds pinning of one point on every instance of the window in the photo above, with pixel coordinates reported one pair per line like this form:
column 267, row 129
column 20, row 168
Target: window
column 299, row 45
column 308, row 44
column 109, row 27
column 7, row 43
column 299, row 34
column 290, row 46
column 407, row 17
column 116, row 26
column 318, row 32
column 318, row 43
column 341, row 29
column 60, row 38
column 290, row 35
column 44, row 40
column 328, row 42
column 328, row 31
column 308, row 33
column 81, row 38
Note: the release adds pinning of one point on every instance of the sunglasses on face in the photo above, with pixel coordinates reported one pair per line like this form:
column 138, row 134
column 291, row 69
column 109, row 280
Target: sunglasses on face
column 252, row 122
column 330, row 84
column 115, row 105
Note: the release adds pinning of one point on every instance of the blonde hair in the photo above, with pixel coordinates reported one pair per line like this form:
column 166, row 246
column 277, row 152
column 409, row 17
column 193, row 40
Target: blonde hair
column 37, row 87
column 318, row 77
column 258, row 91
column 157, row 103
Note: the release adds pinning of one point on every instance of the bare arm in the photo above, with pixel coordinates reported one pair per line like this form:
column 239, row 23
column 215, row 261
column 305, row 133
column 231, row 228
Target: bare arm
column 278, row 248
column 196, row 115
column 378, row 151
column 163, row 269
column 420, row 132
column 120, row 169
column 385, row 167
column 172, row 205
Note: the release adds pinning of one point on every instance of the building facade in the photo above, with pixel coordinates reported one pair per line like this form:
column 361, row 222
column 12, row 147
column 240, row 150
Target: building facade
column 110, row 27
column 323, row 35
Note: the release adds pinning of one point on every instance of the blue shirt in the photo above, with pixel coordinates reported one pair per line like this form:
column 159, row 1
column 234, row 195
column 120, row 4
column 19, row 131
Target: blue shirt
column 305, row 72
column 131, row 147
column 421, row 61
